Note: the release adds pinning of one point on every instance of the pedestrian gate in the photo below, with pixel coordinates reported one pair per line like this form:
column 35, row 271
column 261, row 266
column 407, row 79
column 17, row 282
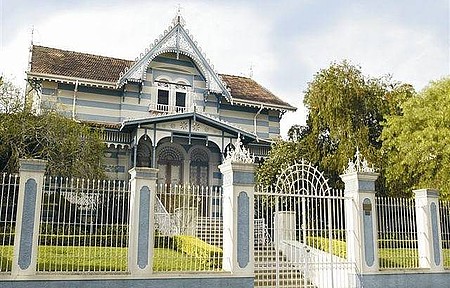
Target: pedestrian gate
column 300, row 232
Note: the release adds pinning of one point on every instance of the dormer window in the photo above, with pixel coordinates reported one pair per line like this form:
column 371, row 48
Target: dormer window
column 172, row 97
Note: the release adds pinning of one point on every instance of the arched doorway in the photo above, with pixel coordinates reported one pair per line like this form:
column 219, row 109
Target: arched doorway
column 170, row 165
column 144, row 152
column 199, row 167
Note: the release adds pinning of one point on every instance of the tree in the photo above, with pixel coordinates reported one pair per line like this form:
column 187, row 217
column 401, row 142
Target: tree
column 417, row 143
column 71, row 148
column 10, row 97
column 346, row 111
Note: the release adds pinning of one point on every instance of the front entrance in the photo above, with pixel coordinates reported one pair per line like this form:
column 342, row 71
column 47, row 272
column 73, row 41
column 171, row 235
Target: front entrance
column 300, row 238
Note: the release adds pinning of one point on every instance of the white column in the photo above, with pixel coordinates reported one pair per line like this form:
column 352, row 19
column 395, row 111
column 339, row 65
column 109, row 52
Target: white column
column 31, row 173
column 361, row 220
column 238, row 217
column 142, row 231
column 428, row 229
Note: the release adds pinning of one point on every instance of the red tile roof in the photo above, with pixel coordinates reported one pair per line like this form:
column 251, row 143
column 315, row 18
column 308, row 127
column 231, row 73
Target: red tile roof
column 53, row 61
column 57, row 62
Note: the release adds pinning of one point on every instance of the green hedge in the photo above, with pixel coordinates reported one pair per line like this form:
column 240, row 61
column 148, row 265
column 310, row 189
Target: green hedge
column 195, row 247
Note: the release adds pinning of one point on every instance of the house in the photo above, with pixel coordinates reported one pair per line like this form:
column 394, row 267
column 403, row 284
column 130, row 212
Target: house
column 167, row 109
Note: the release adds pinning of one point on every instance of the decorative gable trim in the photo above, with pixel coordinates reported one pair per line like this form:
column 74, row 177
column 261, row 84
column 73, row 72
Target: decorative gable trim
column 177, row 40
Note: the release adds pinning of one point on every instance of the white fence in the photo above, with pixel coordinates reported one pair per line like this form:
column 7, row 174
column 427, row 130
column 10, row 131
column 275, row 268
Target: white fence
column 189, row 231
column 300, row 238
column 83, row 226
column 445, row 231
column 9, row 186
column 397, row 236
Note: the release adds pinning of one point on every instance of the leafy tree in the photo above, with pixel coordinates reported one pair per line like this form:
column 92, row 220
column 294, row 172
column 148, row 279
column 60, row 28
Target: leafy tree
column 417, row 143
column 10, row 97
column 71, row 148
column 346, row 111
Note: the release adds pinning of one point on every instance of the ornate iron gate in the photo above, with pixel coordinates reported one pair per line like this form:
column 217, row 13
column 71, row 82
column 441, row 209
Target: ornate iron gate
column 300, row 232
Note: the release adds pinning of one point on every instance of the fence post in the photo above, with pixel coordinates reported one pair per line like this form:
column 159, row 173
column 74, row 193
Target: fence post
column 361, row 215
column 142, row 231
column 238, row 212
column 31, row 173
column 428, row 229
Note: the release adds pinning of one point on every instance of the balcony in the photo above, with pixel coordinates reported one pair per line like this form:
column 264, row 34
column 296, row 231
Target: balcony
column 168, row 109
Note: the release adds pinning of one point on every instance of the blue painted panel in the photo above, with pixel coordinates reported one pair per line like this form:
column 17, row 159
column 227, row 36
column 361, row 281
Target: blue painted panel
column 263, row 135
column 229, row 107
column 93, row 90
column 98, row 104
column 172, row 281
column 144, row 222
column 26, row 237
column 419, row 279
column 217, row 175
column 243, row 228
column 274, row 119
column 434, row 229
column 243, row 177
column 131, row 107
column 274, row 130
column 90, row 103
column 369, row 251
column 100, row 118
column 366, row 185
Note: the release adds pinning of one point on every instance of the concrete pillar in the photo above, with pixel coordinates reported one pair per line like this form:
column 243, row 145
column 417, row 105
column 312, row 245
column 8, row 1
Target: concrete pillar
column 142, row 231
column 238, row 214
column 428, row 229
column 31, row 173
column 361, row 220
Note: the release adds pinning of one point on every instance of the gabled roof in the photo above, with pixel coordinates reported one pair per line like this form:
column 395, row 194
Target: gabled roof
column 175, row 40
column 58, row 65
column 196, row 116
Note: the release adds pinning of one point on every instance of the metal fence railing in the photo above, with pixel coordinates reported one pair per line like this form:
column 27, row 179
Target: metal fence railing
column 189, row 233
column 9, row 186
column 397, row 233
column 445, row 231
column 83, row 226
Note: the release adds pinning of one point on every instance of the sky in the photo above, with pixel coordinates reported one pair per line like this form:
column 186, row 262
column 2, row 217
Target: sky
column 280, row 44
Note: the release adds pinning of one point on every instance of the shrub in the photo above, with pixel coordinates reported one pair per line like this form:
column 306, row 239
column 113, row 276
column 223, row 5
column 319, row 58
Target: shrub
column 195, row 247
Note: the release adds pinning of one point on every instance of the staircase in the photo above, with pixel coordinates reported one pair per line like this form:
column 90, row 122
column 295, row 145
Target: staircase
column 210, row 230
column 273, row 270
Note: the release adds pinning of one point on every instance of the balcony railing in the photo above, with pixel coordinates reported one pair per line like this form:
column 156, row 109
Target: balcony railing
column 168, row 109
column 116, row 137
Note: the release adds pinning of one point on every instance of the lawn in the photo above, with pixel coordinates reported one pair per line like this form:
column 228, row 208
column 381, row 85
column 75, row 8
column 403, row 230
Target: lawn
column 79, row 259
column 388, row 257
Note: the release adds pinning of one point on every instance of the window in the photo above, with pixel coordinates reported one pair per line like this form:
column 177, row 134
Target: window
column 180, row 100
column 163, row 97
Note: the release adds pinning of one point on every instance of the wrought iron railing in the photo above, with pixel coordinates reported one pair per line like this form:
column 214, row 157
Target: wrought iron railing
column 397, row 233
column 9, row 187
column 189, row 231
column 84, row 226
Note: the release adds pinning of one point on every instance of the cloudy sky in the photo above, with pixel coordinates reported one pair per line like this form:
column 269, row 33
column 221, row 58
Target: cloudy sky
column 283, row 42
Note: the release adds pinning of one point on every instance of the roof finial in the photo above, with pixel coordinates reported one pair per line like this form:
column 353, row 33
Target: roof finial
column 178, row 18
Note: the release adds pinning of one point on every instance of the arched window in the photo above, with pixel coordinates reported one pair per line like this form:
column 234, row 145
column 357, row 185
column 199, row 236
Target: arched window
column 170, row 165
column 198, row 170
column 144, row 152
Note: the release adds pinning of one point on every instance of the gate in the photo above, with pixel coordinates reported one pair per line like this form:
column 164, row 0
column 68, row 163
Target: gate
column 300, row 232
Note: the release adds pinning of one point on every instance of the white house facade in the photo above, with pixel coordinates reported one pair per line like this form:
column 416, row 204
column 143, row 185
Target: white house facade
column 167, row 109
